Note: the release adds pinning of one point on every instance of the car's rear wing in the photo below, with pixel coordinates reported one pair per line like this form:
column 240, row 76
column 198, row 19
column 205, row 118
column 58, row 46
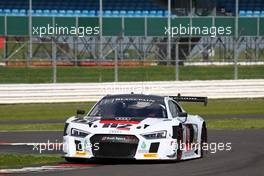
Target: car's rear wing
column 180, row 98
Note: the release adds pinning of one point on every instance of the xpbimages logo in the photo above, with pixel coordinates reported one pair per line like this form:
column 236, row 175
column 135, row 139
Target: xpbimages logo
column 212, row 31
column 57, row 146
column 211, row 147
column 64, row 30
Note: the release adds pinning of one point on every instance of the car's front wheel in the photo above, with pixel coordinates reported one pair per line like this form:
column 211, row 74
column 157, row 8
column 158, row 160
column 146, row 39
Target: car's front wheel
column 203, row 139
column 179, row 141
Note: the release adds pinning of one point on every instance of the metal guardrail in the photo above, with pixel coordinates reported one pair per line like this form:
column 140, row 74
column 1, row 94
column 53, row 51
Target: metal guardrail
column 81, row 92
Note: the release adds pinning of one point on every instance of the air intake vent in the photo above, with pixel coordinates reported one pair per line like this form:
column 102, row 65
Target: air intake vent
column 145, row 126
column 154, row 147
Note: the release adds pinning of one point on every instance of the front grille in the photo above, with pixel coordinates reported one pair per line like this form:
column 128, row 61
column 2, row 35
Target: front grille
column 114, row 146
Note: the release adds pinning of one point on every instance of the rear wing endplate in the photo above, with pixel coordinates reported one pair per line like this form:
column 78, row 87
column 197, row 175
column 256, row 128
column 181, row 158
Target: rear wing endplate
column 180, row 98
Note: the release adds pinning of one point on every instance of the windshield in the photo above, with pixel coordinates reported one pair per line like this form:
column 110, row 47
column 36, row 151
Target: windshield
column 129, row 107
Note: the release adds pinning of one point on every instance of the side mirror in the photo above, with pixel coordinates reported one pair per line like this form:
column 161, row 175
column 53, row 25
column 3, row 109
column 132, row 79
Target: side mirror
column 80, row 112
column 182, row 114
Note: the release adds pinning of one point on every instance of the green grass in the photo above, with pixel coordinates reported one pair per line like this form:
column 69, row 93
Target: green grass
column 103, row 74
column 61, row 111
column 227, row 107
column 21, row 160
column 32, row 127
column 233, row 123
column 41, row 111
column 236, row 124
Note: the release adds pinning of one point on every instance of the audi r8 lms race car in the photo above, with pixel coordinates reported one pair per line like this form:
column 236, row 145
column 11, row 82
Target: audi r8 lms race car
column 136, row 126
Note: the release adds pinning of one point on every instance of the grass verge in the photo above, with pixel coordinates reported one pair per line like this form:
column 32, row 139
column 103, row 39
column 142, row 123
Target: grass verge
column 227, row 107
column 21, row 160
column 32, row 127
column 61, row 111
column 106, row 74
column 56, row 111
column 236, row 124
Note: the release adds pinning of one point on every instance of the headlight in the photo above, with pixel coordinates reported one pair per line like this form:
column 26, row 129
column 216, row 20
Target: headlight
column 78, row 133
column 155, row 135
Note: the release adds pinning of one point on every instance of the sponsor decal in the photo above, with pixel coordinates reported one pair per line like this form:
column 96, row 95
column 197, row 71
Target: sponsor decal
column 143, row 148
column 114, row 138
column 135, row 99
column 142, row 151
column 121, row 139
column 143, row 145
column 81, row 153
column 150, row 155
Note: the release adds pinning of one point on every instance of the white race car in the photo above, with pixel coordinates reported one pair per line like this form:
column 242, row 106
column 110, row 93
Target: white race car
column 136, row 126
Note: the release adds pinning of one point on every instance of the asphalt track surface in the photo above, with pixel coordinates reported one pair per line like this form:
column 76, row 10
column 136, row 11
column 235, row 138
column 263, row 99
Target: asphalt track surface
column 245, row 158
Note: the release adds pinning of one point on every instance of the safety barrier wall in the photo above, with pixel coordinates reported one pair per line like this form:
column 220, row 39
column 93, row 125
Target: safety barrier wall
column 82, row 92
column 133, row 26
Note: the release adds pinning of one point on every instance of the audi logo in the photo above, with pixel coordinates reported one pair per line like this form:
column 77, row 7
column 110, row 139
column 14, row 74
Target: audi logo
column 122, row 118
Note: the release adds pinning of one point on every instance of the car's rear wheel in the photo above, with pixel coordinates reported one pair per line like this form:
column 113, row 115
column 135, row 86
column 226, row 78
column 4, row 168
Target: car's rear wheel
column 179, row 141
column 203, row 139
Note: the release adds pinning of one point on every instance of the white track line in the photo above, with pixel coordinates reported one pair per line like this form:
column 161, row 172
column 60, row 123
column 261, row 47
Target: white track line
column 45, row 168
column 34, row 169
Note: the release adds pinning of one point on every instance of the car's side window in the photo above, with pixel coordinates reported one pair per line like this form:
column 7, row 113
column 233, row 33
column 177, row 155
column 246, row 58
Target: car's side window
column 178, row 107
column 174, row 108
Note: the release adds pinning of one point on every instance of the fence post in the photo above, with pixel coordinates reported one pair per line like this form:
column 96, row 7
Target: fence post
column 30, row 33
column 236, row 44
column 236, row 59
column 6, row 42
column 169, row 35
column 54, row 61
column 177, row 61
column 54, row 56
column 101, row 30
column 116, row 65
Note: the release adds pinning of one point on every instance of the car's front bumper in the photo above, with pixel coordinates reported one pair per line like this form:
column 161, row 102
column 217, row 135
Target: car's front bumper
column 107, row 146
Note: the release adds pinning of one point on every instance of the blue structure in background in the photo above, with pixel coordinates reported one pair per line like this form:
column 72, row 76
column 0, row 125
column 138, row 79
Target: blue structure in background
column 130, row 8
column 83, row 8
column 248, row 8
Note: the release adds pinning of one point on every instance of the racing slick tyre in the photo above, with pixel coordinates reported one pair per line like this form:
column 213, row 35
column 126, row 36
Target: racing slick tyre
column 203, row 139
column 179, row 141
